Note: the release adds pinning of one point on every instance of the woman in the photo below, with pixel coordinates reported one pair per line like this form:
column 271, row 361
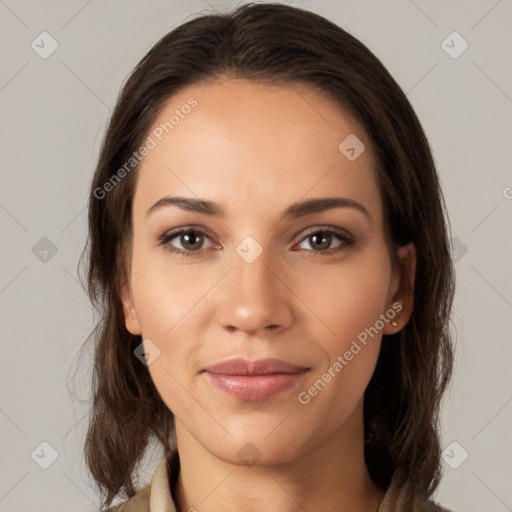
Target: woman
column 269, row 253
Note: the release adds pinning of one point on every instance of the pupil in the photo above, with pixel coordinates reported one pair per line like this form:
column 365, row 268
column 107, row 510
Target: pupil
column 321, row 240
column 192, row 236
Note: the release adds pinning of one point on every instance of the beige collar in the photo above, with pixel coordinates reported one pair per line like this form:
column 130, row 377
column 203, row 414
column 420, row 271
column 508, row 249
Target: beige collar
column 160, row 499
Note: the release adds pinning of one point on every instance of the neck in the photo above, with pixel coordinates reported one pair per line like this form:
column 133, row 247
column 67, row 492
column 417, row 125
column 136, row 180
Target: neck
column 331, row 477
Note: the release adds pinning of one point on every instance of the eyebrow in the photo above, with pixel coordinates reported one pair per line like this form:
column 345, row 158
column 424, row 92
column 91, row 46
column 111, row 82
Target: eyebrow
column 294, row 211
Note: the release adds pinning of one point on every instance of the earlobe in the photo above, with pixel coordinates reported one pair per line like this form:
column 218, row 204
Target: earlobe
column 402, row 303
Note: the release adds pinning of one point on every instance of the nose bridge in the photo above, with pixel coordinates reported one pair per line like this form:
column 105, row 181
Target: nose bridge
column 253, row 277
column 252, row 296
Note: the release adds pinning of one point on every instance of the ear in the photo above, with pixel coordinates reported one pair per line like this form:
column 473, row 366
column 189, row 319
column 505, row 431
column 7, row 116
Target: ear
column 402, row 289
column 130, row 315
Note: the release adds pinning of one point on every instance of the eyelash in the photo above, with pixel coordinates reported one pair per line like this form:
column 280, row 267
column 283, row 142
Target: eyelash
column 347, row 241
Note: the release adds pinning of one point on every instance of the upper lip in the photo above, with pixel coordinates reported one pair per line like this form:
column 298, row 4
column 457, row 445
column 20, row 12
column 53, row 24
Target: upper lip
column 240, row 366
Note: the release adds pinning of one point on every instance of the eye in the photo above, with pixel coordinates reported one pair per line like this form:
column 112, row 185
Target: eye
column 191, row 241
column 321, row 241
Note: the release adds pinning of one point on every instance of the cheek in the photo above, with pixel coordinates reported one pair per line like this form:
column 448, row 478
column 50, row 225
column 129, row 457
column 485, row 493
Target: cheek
column 165, row 293
column 350, row 303
column 348, row 300
column 168, row 305
column 347, row 297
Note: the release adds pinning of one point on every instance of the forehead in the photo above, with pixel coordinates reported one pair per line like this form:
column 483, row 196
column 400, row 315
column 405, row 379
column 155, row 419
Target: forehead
column 246, row 144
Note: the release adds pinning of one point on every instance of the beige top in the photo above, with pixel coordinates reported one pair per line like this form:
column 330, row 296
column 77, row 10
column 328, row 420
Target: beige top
column 156, row 497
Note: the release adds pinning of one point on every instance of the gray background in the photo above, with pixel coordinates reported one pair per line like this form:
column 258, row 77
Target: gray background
column 54, row 111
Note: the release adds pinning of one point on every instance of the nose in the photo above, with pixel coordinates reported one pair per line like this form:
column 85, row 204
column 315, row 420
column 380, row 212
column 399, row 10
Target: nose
column 254, row 299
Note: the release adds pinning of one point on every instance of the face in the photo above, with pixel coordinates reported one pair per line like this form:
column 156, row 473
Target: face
column 263, row 270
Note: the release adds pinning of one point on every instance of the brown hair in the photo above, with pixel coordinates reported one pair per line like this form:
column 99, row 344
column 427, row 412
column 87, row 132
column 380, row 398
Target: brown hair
column 279, row 44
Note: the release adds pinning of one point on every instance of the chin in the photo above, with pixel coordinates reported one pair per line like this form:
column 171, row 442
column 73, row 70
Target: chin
column 257, row 446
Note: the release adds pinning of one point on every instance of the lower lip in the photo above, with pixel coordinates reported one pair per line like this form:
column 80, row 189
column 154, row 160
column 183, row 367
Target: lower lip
column 255, row 388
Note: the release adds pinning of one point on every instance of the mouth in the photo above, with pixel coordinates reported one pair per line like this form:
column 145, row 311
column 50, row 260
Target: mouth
column 254, row 380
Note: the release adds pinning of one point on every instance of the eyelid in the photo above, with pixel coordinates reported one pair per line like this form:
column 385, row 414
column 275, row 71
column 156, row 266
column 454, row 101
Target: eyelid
column 189, row 227
column 339, row 231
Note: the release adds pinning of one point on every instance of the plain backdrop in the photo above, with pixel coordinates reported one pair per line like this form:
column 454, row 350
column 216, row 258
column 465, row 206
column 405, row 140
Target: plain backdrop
column 53, row 115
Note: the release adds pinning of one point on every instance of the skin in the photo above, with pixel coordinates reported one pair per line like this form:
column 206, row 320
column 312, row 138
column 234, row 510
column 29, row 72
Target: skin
column 255, row 149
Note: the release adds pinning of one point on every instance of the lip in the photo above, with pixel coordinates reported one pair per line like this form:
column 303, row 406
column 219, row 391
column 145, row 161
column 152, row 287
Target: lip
column 254, row 380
